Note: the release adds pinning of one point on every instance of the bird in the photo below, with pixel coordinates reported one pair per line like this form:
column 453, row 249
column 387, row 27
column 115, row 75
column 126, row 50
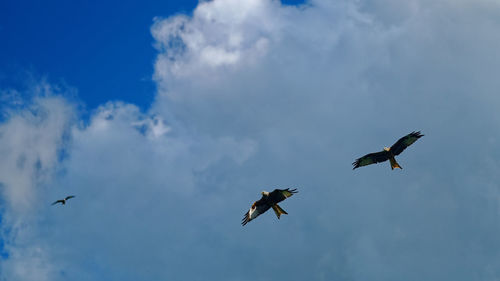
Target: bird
column 268, row 200
column 63, row 201
column 388, row 153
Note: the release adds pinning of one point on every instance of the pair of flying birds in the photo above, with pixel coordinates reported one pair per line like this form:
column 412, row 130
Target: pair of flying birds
column 271, row 199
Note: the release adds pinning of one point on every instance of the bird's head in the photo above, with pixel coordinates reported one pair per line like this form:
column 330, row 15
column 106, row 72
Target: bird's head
column 265, row 193
column 387, row 148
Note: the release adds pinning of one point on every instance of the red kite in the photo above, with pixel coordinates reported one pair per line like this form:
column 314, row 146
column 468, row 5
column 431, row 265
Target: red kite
column 268, row 200
column 388, row 153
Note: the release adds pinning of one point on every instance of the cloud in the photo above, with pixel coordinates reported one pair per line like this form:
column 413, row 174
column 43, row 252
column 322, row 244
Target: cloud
column 256, row 95
column 121, row 155
column 220, row 34
column 32, row 141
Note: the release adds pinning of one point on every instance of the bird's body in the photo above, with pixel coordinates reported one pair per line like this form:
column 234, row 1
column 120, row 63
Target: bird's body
column 392, row 160
column 63, row 201
column 388, row 153
column 267, row 201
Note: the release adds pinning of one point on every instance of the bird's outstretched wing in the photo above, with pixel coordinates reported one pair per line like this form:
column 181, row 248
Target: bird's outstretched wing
column 279, row 195
column 371, row 158
column 404, row 142
column 258, row 208
column 58, row 201
column 69, row 197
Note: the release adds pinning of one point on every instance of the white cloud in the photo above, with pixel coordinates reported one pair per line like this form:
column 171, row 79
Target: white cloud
column 31, row 141
column 221, row 33
column 122, row 155
column 338, row 79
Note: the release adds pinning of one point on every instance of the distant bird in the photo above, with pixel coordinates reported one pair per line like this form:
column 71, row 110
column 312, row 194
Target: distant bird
column 63, row 201
column 388, row 153
column 268, row 200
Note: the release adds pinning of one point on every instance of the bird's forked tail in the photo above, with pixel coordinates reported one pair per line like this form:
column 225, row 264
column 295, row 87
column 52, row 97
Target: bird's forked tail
column 278, row 211
column 394, row 164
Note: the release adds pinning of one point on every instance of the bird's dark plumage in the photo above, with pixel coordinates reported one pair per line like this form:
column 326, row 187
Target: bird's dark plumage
column 267, row 201
column 404, row 142
column 388, row 153
column 63, row 201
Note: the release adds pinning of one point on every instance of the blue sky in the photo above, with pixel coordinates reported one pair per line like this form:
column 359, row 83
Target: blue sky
column 83, row 43
column 167, row 120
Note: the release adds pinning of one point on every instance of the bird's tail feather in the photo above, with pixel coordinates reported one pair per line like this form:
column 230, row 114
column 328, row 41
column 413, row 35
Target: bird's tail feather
column 394, row 164
column 278, row 211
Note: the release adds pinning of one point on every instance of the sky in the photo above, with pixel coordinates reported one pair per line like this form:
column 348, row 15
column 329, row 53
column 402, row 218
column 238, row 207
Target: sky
column 167, row 119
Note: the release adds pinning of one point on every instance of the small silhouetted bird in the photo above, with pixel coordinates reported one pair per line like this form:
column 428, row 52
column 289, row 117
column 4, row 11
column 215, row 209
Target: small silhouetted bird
column 63, row 201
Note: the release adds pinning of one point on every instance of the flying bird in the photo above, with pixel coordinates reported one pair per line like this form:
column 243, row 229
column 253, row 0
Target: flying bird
column 63, row 201
column 388, row 153
column 268, row 200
